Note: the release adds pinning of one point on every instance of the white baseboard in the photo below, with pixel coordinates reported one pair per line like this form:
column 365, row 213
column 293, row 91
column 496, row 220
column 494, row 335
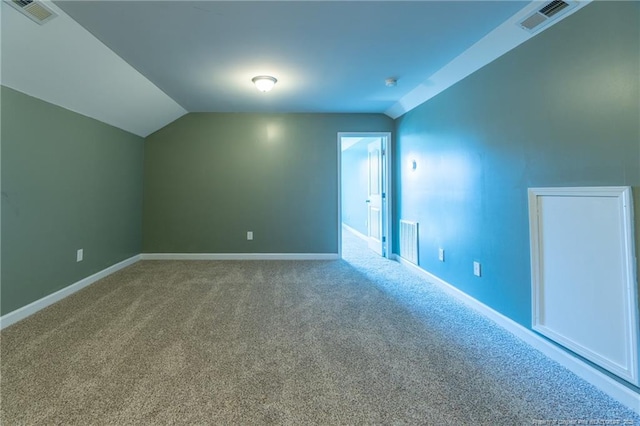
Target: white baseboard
column 356, row 233
column 606, row 384
column 239, row 256
column 30, row 309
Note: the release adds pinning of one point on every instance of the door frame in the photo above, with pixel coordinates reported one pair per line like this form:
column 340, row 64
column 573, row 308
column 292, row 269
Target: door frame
column 387, row 161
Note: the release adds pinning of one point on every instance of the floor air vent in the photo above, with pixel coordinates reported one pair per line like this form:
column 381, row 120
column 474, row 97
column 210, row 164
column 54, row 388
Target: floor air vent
column 542, row 17
column 34, row 10
column 409, row 241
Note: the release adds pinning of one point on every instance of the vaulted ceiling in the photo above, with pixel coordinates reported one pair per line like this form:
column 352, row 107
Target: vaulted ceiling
column 139, row 65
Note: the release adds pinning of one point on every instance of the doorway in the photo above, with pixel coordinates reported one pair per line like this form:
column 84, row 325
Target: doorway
column 364, row 189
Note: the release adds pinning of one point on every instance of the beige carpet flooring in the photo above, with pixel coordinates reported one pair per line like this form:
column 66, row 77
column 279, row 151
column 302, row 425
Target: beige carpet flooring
column 277, row 342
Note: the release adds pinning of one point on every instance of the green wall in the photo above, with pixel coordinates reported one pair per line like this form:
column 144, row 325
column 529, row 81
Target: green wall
column 68, row 182
column 562, row 109
column 211, row 177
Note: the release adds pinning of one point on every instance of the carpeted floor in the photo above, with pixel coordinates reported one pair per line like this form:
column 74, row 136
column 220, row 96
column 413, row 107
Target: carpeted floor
column 355, row 341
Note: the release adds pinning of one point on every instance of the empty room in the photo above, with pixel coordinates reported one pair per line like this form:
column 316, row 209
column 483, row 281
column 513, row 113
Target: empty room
column 319, row 212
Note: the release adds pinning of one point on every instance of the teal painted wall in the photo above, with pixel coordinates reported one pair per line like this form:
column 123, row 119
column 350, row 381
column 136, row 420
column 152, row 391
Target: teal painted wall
column 211, row 177
column 560, row 110
column 355, row 182
column 68, row 182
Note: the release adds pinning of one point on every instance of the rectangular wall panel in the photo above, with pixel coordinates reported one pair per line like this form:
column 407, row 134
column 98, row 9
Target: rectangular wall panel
column 584, row 284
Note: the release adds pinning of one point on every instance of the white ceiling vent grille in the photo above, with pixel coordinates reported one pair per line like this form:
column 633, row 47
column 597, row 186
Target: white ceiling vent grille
column 35, row 10
column 543, row 17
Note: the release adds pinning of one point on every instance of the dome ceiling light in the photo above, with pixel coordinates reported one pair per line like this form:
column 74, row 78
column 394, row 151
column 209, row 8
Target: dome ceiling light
column 264, row 83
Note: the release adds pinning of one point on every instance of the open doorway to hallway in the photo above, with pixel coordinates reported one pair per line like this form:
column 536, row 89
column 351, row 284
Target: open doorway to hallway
column 364, row 189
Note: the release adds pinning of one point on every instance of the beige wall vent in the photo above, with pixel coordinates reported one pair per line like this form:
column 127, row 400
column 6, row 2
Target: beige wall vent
column 543, row 16
column 34, row 10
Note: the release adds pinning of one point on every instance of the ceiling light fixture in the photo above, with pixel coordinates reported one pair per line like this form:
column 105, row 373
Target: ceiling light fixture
column 264, row 83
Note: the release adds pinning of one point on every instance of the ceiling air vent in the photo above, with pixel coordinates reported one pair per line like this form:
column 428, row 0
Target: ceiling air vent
column 543, row 17
column 35, row 10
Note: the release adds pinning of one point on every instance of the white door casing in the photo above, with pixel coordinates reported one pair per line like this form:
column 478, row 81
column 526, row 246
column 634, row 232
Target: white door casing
column 382, row 243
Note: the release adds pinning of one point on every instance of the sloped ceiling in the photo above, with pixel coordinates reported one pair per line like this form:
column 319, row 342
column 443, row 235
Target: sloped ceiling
column 61, row 63
column 174, row 57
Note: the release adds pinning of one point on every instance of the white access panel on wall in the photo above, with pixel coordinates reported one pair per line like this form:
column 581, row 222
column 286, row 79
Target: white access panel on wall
column 584, row 289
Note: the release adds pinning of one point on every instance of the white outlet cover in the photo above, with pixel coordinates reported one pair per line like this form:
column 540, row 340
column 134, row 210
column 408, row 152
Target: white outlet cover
column 441, row 255
column 249, row 235
column 477, row 271
column 80, row 255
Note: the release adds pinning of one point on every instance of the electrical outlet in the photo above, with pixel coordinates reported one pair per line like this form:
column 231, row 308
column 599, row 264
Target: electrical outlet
column 441, row 255
column 477, row 271
column 79, row 255
column 249, row 235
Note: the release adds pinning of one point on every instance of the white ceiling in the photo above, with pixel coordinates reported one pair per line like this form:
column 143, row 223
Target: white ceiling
column 174, row 57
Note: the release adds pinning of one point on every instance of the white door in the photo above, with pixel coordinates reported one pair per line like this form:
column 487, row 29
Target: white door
column 375, row 198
